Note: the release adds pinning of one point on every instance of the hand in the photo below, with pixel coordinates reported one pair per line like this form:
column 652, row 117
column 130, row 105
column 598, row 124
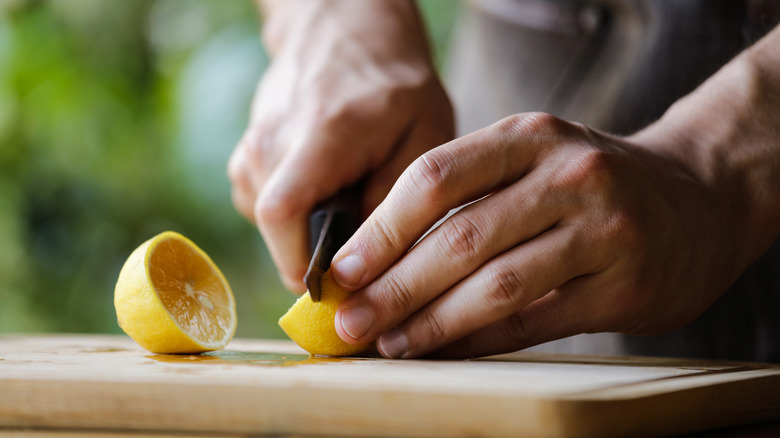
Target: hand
column 351, row 92
column 569, row 231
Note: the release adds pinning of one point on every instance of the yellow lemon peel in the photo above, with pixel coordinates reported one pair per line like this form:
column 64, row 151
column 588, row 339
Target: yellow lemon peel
column 171, row 298
column 311, row 324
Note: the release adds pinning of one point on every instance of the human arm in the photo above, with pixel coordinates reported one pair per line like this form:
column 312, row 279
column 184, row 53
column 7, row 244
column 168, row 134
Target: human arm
column 572, row 230
column 351, row 93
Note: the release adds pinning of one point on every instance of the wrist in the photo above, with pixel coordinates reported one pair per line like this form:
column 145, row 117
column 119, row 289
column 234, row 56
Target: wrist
column 391, row 28
column 727, row 134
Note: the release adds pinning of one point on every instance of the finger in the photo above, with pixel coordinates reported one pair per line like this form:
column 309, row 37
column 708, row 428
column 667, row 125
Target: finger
column 441, row 179
column 564, row 312
column 256, row 154
column 498, row 289
column 310, row 172
column 242, row 191
column 463, row 243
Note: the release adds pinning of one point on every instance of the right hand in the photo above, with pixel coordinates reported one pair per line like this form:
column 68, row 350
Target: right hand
column 351, row 93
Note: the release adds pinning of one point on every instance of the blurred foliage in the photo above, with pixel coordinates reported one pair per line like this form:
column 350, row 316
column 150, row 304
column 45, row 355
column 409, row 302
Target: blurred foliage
column 116, row 122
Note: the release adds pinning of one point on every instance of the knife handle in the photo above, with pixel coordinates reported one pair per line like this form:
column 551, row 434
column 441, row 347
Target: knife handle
column 344, row 209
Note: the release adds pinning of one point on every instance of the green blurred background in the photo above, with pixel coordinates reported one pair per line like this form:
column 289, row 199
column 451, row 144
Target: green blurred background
column 116, row 122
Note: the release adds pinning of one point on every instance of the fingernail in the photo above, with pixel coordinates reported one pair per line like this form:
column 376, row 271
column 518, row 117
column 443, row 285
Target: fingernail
column 356, row 321
column 393, row 344
column 349, row 271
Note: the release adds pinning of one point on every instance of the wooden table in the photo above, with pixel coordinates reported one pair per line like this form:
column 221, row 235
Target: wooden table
column 100, row 386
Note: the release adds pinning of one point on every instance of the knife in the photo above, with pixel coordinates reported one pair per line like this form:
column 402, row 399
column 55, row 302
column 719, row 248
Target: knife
column 331, row 224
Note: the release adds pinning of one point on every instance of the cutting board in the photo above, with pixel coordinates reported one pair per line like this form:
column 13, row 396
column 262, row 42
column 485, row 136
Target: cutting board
column 108, row 383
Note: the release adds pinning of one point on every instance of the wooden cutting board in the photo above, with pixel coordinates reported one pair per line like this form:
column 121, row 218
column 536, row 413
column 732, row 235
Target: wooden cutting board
column 108, row 383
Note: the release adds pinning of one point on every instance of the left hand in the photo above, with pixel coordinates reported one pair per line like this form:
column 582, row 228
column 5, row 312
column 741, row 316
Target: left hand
column 570, row 231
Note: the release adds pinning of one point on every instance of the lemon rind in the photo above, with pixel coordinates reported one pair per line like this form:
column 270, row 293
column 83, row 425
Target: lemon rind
column 296, row 331
column 144, row 316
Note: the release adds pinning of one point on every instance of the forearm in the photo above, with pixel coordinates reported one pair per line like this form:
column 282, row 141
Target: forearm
column 393, row 27
column 727, row 132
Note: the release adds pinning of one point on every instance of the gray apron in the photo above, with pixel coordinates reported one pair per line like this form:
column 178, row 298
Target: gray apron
column 617, row 65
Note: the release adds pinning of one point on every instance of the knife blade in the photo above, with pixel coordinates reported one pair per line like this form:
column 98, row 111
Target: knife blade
column 331, row 224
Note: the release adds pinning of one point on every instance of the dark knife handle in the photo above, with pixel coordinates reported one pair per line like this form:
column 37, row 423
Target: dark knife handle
column 344, row 207
column 331, row 224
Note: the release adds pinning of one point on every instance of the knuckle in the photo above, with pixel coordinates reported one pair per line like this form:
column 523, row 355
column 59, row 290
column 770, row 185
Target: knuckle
column 385, row 235
column 431, row 173
column 462, row 236
column 514, row 124
column 398, row 296
column 531, row 124
column 547, row 122
column 258, row 145
column 505, row 288
column 592, row 170
column 434, row 327
column 622, row 225
column 334, row 116
column 596, row 162
column 255, row 138
column 618, row 230
column 235, row 167
column 515, row 329
column 277, row 207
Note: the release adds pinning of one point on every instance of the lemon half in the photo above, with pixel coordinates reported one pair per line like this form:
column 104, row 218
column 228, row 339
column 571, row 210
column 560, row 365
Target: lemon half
column 311, row 325
column 171, row 298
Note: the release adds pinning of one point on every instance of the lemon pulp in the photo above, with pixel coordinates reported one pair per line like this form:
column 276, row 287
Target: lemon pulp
column 171, row 298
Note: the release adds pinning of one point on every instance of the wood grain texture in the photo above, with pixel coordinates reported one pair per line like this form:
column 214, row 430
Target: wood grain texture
column 107, row 383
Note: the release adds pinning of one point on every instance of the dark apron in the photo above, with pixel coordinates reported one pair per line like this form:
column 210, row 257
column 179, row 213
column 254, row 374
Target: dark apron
column 617, row 65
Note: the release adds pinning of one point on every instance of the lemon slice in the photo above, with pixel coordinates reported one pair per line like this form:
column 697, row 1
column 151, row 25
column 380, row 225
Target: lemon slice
column 311, row 324
column 171, row 298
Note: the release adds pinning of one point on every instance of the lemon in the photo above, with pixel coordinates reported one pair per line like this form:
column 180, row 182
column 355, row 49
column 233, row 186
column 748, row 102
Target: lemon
column 171, row 298
column 311, row 324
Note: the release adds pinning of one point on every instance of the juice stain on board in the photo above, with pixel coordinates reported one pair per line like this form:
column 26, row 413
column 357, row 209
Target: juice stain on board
column 248, row 358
